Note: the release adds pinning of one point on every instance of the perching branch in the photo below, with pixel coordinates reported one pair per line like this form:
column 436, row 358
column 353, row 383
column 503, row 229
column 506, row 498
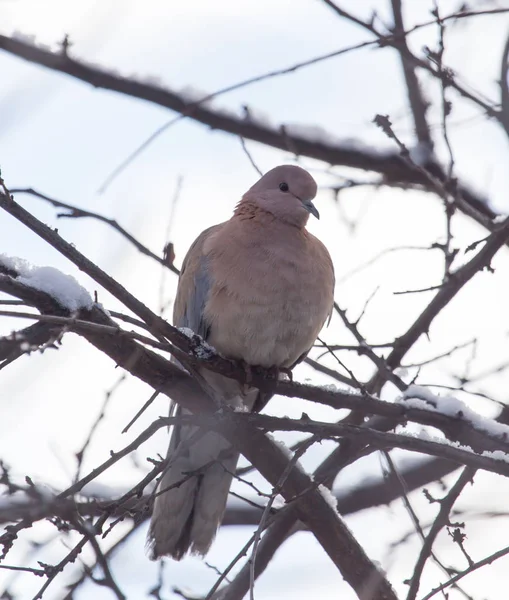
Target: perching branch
column 237, row 423
column 313, row 509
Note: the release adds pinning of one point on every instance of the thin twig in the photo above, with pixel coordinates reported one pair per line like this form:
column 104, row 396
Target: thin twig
column 80, row 455
column 266, row 512
column 477, row 565
column 418, row 103
column 249, row 156
column 440, row 522
column 76, row 213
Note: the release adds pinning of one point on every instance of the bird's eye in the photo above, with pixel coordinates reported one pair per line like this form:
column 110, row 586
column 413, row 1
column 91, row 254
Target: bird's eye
column 283, row 187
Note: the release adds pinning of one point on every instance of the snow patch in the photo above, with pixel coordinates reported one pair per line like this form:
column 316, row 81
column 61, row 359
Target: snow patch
column 30, row 40
column 99, row 491
column 312, row 133
column 498, row 455
column 63, row 288
column 189, row 333
column 193, row 95
column 151, row 80
column 23, row 37
column 280, row 445
column 329, row 497
column 418, row 397
column 203, row 350
column 278, row 502
column 320, row 135
column 332, row 387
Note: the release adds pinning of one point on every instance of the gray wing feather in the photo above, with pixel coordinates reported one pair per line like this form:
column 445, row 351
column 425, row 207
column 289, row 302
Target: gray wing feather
column 193, row 316
column 196, row 297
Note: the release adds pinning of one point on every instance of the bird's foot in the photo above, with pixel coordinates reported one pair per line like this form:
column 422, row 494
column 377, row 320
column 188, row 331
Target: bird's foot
column 288, row 372
column 275, row 372
column 248, row 376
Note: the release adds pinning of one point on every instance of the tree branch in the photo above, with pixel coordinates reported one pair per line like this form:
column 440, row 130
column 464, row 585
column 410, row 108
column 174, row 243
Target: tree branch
column 313, row 509
column 356, row 155
column 418, row 104
column 161, row 374
column 504, row 87
column 440, row 522
column 457, row 280
column 73, row 212
column 455, row 428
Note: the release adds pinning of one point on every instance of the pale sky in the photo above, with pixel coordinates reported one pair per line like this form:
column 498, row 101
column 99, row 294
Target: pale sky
column 64, row 137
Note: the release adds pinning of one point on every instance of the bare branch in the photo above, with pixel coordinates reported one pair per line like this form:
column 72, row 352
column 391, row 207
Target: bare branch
column 465, row 438
column 504, row 87
column 332, row 152
column 418, row 104
column 313, row 509
column 441, row 521
column 73, row 212
column 330, row 372
column 481, row 563
column 455, row 428
column 444, row 295
column 394, row 41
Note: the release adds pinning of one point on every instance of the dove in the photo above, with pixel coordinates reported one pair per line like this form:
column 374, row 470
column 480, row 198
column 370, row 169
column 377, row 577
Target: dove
column 258, row 288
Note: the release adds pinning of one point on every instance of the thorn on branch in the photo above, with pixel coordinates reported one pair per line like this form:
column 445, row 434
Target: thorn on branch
column 4, row 189
column 446, row 74
column 60, row 524
column 474, row 245
column 431, row 499
column 169, row 254
column 7, row 540
column 458, row 537
column 65, row 45
column 385, row 125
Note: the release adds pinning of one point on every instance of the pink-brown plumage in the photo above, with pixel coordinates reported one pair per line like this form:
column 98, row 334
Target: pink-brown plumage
column 272, row 291
column 259, row 288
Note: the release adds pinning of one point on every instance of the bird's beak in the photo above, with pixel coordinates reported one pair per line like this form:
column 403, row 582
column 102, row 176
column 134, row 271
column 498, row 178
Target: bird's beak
column 311, row 208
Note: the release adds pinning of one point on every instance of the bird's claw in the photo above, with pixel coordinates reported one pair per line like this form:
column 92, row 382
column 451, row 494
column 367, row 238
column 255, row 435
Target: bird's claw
column 275, row 372
column 248, row 376
column 288, row 372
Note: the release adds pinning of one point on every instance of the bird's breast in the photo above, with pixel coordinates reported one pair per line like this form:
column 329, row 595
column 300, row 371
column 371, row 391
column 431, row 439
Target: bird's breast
column 267, row 303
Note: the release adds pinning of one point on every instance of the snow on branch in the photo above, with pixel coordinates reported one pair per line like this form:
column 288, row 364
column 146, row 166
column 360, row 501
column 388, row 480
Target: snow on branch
column 62, row 288
column 462, row 432
column 419, row 397
column 245, row 431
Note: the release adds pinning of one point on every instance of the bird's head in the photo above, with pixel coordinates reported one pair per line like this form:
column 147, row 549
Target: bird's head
column 286, row 192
